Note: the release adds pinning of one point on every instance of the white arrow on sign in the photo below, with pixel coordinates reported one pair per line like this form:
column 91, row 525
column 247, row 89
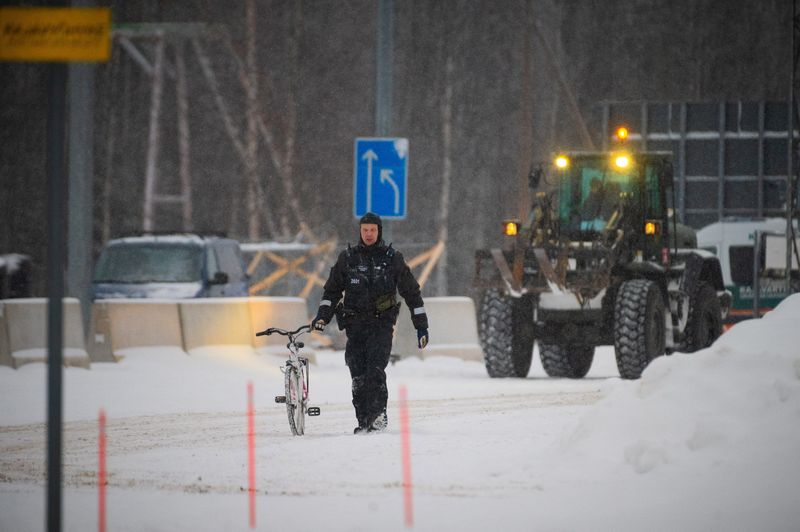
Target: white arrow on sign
column 369, row 156
column 386, row 175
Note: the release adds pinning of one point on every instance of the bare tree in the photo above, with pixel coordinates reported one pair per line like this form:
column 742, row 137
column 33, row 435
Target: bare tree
column 254, row 206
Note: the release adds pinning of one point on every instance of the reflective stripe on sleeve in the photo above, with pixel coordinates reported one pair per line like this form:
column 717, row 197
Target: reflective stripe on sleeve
column 419, row 310
column 324, row 303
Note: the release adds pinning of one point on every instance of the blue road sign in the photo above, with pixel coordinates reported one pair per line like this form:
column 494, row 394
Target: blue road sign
column 380, row 180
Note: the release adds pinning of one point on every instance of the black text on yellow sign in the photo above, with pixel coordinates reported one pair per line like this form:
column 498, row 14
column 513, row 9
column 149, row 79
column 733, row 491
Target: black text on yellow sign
column 55, row 34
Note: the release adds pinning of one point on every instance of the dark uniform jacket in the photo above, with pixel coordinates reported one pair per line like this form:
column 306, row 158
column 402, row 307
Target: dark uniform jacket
column 370, row 277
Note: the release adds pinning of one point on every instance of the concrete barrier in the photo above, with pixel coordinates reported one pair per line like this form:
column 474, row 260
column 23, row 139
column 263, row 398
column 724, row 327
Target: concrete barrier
column 24, row 332
column 216, row 321
column 453, row 330
column 282, row 312
column 119, row 324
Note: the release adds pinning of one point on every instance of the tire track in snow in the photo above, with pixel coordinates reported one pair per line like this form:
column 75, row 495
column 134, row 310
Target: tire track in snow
column 171, row 452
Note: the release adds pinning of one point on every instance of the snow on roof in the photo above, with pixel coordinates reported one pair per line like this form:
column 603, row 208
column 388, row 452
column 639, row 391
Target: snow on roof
column 738, row 230
column 253, row 247
column 12, row 261
column 185, row 239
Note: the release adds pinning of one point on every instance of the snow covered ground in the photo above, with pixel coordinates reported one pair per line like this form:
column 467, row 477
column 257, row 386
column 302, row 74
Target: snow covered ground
column 709, row 441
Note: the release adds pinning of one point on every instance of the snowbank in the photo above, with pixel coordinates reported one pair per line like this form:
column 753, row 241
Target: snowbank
column 704, row 441
column 725, row 418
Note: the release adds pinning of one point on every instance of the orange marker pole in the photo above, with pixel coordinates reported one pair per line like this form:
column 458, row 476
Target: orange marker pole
column 251, row 454
column 101, row 473
column 406, row 459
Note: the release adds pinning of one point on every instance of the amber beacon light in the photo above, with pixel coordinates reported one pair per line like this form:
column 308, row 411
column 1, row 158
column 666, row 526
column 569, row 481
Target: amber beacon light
column 651, row 228
column 510, row 228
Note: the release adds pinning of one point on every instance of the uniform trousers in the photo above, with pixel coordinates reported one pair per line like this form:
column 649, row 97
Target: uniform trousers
column 367, row 355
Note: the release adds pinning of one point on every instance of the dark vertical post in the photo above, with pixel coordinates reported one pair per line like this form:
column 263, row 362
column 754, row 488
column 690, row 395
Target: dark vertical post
column 682, row 163
column 761, row 107
column 644, row 129
column 81, row 179
column 758, row 235
column 56, row 192
column 383, row 80
column 792, row 144
column 721, row 163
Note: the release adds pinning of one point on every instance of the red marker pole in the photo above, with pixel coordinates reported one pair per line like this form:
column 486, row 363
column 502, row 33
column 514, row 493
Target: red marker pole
column 101, row 473
column 406, row 459
column 251, row 454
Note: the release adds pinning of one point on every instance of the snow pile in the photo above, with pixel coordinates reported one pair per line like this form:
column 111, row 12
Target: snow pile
column 731, row 411
column 704, row 441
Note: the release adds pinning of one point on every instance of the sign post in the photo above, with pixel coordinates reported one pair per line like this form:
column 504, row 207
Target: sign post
column 56, row 35
column 380, row 180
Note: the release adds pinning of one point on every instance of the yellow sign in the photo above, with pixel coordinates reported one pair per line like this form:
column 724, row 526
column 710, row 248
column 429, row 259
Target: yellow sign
column 55, row 34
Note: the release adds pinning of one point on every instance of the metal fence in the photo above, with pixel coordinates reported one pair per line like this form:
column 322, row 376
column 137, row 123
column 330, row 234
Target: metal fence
column 731, row 158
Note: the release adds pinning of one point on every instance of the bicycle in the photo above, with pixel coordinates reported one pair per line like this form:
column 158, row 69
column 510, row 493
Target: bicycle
column 296, row 380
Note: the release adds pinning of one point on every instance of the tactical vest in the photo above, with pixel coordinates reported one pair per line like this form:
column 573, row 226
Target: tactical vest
column 371, row 284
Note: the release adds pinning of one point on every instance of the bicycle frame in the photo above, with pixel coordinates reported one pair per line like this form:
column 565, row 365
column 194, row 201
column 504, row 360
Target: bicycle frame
column 296, row 380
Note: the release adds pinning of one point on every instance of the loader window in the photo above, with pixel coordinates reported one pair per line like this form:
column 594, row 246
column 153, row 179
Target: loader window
column 652, row 185
column 590, row 193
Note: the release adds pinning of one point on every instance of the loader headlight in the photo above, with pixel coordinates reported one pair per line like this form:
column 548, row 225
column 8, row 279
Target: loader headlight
column 622, row 160
column 562, row 162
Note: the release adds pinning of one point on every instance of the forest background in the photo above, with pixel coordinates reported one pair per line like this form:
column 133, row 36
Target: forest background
column 482, row 89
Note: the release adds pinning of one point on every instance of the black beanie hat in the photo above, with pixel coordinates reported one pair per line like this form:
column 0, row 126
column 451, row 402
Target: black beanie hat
column 372, row 218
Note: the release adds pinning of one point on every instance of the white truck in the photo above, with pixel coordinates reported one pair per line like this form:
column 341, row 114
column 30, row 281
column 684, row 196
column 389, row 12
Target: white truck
column 733, row 240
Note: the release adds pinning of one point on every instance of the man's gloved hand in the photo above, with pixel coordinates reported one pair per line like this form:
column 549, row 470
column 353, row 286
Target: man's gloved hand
column 318, row 323
column 422, row 338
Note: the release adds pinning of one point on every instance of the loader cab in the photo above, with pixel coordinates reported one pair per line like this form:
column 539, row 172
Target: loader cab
column 601, row 192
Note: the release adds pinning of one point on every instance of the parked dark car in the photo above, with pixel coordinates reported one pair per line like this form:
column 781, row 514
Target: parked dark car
column 178, row 266
column 16, row 276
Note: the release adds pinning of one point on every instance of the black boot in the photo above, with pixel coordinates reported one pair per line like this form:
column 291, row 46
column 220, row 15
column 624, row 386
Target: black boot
column 362, row 427
column 379, row 423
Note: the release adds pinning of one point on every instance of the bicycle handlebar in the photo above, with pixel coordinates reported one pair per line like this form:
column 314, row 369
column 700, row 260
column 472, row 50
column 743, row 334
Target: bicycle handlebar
column 282, row 332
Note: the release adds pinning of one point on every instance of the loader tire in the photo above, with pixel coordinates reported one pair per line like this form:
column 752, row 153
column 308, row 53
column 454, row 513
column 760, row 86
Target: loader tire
column 639, row 329
column 570, row 361
column 505, row 329
column 704, row 324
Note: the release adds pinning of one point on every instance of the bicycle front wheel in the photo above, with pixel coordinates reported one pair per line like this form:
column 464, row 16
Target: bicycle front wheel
column 295, row 400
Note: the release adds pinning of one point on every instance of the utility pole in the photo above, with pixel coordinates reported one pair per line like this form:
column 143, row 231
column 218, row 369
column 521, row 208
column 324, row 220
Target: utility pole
column 80, row 178
column 791, row 173
column 383, row 80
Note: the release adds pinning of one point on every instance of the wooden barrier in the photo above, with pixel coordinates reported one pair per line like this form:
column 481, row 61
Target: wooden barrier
column 275, row 257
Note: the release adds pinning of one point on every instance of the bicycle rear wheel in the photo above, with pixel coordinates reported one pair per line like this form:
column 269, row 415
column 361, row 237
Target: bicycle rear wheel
column 295, row 400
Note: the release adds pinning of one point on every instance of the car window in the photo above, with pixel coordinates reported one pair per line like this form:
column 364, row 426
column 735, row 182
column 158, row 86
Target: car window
column 212, row 265
column 741, row 259
column 230, row 260
column 150, row 263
